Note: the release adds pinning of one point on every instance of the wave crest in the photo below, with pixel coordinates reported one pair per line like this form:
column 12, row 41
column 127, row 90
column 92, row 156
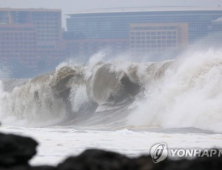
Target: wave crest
column 182, row 93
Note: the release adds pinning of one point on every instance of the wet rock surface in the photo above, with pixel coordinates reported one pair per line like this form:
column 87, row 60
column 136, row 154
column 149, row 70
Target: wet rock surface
column 16, row 151
column 98, row 159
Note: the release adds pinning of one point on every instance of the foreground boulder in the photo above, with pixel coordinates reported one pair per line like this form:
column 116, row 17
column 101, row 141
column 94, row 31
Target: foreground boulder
column 28, row 167
column 95, row 159
column 210, row 163
column 16, row 150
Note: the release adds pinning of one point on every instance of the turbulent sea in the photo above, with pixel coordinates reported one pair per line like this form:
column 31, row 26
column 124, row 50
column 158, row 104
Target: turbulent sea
column 118, row 105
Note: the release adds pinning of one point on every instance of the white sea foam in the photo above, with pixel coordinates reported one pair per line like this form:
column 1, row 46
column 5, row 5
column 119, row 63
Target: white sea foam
column 188, row 95
column 180, row 93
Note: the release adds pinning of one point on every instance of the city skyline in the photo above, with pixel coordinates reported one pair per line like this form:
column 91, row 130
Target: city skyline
column 33, row 36
column 68, row 6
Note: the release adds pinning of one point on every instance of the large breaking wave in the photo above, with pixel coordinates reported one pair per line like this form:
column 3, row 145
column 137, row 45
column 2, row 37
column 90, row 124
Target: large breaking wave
column 185, row 92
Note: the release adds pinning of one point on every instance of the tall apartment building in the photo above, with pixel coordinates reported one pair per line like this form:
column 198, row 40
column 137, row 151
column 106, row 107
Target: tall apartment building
column 29, row 35
column 188, row 24
column 158, row 37
column 18, row 44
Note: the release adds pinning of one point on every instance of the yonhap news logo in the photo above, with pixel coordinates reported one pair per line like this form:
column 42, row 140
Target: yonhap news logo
column 160, row 152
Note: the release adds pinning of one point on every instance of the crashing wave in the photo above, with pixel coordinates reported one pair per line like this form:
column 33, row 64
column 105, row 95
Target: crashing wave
column 48, row 97
column 182, row 93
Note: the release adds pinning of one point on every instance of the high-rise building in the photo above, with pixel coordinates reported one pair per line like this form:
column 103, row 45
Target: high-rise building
column 158, row 37
column 29, row 35
column 34, row 36
column 186, row 24
column 18, row 44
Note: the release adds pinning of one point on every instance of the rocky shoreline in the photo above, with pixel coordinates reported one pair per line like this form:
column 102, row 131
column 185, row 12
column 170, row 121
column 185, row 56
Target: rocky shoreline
column 16, row 151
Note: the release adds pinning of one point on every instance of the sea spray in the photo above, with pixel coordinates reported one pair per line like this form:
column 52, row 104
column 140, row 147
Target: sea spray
column 188, row 95
column 180, row 93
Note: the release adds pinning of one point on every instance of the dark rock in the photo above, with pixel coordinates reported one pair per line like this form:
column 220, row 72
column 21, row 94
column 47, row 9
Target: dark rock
column 16, row 150
column 94, row 159
column 28, row 167
column 142, row 163
column 44, row 168
column 213, row 163
column 19, row 167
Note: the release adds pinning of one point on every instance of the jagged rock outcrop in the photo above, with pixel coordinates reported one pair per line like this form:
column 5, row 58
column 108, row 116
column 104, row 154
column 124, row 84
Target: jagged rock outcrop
column 16, row 151
column 94, row 159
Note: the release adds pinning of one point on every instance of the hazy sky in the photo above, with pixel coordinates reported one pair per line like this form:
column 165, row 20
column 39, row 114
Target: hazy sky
column 68, row 6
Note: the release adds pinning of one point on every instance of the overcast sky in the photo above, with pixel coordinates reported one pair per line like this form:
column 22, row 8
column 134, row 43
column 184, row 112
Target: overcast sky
column 68, row 6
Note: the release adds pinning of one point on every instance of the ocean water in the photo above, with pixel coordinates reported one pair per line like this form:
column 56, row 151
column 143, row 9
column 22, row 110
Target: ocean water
column 118, row 105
